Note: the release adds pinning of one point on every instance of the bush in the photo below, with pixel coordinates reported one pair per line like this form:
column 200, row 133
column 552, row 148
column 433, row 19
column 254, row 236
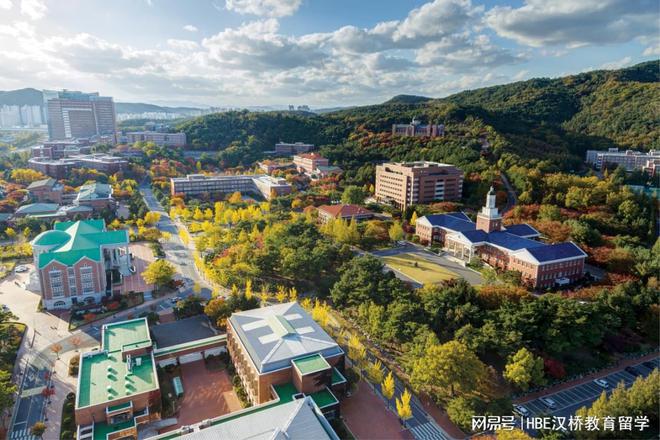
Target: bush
column 74, row 365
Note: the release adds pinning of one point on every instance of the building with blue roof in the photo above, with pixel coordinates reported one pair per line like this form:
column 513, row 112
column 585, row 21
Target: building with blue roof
column 513, row 247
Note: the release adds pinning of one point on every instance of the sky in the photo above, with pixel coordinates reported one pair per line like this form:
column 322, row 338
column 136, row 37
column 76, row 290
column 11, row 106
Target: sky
column 321, row 53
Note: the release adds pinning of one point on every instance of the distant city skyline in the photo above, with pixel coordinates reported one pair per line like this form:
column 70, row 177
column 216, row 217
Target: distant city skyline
column 228, row 53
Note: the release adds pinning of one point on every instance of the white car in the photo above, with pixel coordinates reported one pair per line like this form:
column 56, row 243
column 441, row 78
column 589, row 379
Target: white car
column 20, row 268
column 521, row 410
column 602, row 383
column 549, row 402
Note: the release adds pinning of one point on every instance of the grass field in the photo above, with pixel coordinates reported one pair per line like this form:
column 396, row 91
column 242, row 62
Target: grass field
column 419, row 269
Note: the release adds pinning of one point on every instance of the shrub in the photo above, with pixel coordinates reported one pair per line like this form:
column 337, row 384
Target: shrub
column 89, row 317
column 74, row 365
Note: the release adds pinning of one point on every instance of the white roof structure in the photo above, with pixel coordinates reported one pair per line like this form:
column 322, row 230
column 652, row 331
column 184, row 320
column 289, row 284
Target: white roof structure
column 295, row 420
column 274, row 336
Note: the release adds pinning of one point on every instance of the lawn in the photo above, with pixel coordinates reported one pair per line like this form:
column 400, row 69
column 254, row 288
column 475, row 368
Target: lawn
column 419, row 269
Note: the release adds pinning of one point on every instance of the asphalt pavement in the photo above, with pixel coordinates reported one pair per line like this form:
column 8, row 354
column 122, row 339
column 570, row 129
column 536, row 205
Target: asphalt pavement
column 569, row 400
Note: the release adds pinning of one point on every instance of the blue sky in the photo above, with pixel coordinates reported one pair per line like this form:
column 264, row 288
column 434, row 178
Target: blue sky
column 319, row 53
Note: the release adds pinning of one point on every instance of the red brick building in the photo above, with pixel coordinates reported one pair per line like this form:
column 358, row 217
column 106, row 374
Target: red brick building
column 80, row 262
column 281, row 350
column 344, row 212
column 407, row 183
column 512, row 247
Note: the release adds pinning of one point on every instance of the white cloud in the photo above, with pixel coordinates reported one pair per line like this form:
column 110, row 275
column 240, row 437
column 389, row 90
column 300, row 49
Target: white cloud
column 573, row 23
column 461, row 53
column 257, row 45
column 265, row 8
column 612, row 65
column 34, row 9
column 6, row 4
column 186, row 45
column 190, row 28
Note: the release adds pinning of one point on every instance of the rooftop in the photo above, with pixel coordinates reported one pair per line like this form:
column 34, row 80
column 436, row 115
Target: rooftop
column 182, row 331
column 315, row 156
column 94, row 191
column 295, row 420
column 107, row 374
column 37, row 208
column 42, row 183
column 274, row 336
column 71, row 241
column 311, row 364
column 344, row 210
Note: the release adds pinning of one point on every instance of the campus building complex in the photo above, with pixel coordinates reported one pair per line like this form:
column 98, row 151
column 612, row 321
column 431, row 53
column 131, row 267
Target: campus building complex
column 60, row 168
column 308, row 162
column 407, row 183
column 295, row 148
column 513, row 247
column 46, row 190
column 280, row 352
column 630, row 160
column 117, row 384
column 415, row 128
column 197, row 184
column 60, row 149
column 79, row 115
column 344, row 212
column 80, row 262
column 158, row 138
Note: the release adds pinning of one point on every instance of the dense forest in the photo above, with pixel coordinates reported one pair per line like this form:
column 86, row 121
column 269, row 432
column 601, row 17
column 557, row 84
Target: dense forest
column 549, row 120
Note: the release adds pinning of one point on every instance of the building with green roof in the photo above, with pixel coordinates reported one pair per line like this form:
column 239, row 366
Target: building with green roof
column 80, row 262
column 117, row 384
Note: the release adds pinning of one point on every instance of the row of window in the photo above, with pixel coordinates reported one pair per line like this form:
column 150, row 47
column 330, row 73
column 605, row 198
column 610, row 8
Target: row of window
column 57, row 285
column 559, row 275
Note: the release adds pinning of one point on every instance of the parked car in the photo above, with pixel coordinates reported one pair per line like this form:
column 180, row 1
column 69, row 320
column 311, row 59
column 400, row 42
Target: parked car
column 632, row 370
column 5, row 308
column 602, row 383
column 650, row 365
column 549, row 402
column 175, row 300
column 521, row 410
column 20, row 268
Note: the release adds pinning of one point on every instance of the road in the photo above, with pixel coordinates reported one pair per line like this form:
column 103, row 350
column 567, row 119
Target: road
column 180, row 255
column 512, row 198
column 421, row 425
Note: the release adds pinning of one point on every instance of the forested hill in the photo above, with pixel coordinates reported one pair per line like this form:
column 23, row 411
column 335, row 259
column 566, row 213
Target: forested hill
column 552, row 120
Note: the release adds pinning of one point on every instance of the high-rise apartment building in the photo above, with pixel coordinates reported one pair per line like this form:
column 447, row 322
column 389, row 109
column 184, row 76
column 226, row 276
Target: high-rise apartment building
column 408, row 183
column 79, row 115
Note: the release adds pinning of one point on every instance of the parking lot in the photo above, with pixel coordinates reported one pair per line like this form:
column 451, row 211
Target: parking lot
column 570, row 400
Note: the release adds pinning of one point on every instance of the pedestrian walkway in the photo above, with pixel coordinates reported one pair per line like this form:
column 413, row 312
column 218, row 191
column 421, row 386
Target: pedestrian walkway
column 22, row 434
column 427, row 431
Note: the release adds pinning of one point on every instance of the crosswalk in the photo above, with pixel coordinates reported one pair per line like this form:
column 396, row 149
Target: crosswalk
column 22, row 434
column 427, row 431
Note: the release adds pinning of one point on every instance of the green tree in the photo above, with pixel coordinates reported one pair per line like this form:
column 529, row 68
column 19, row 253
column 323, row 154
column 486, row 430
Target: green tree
column 641, row 399
column 524, row 369
column 7, row 390
column 362, row 279
column 353, row 195
column 159, row 273
column 451, row 367
column 461, row 410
